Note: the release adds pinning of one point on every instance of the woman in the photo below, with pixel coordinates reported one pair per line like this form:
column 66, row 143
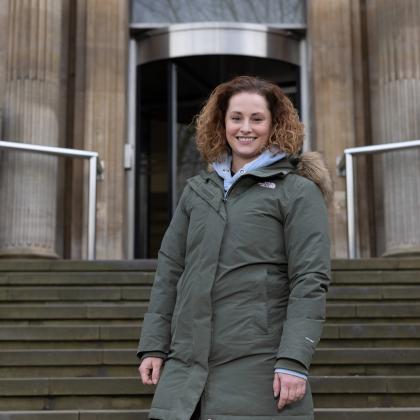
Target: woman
column 238, row 301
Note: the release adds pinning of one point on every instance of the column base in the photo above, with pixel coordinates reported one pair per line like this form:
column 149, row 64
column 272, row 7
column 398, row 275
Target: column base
column 407, row 251
column 28, row 253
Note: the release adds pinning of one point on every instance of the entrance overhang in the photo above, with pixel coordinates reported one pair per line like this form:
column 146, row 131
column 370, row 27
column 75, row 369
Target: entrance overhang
column 192, row 39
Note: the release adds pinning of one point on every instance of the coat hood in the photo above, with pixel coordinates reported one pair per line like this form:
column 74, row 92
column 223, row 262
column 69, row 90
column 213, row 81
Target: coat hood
column 311, row 165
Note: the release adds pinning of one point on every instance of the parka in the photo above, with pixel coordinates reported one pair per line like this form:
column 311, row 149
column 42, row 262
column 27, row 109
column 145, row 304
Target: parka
column 240, row 286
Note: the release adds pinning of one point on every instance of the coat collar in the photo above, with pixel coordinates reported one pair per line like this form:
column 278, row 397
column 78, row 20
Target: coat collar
column 280, row 168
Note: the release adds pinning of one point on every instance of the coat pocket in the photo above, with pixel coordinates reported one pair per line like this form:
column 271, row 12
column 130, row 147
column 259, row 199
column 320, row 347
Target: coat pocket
column 277, row 291
column 260, row 306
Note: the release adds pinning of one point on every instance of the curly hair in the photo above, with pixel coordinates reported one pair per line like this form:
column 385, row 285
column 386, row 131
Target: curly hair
column 286, row 132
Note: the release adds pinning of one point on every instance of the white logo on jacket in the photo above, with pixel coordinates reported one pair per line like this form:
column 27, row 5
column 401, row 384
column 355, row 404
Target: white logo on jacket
column 271, row 185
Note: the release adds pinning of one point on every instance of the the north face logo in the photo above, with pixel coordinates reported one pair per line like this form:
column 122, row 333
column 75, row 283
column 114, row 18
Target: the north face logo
column 271, row 185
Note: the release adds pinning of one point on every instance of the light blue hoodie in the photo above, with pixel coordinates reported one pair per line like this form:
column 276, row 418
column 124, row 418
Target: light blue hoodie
column 223, row 168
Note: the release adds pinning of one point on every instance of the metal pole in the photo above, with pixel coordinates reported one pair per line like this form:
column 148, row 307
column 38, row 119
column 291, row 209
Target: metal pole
column 351, row 219
column 386, row 147
column 94, row 167
column 304, row 94
column 172, row 138
column 131, row 146
column 47, row 150
column 93, row 164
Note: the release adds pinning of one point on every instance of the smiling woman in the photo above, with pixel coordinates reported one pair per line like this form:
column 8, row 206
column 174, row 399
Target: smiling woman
column 238, row 302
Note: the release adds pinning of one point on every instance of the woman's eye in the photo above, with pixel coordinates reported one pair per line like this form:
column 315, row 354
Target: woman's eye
column 235, row 118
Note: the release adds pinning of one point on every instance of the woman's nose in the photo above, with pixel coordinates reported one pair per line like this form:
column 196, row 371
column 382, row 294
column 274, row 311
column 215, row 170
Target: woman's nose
column 245, row 128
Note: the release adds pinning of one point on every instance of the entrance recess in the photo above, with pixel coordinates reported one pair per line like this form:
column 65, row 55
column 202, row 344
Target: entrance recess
column 176, row 69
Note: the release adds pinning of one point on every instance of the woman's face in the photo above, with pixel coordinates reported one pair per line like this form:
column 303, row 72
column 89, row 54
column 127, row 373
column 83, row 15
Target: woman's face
column 248, row 127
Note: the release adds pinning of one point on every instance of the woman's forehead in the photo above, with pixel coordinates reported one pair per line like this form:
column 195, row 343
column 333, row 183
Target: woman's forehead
column 247, row 101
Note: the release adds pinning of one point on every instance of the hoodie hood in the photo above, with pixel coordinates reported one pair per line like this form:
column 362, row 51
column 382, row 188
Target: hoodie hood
column 222, row 168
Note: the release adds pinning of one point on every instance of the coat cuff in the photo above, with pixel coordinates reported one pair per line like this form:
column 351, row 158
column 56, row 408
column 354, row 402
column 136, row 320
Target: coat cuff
column 290, row 364
column 159, row 354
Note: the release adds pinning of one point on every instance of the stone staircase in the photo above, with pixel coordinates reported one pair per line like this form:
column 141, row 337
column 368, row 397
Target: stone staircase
column 68, row 333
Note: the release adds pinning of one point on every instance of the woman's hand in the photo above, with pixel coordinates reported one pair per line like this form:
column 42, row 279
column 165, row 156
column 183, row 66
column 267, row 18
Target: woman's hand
column 149, row 369
column 288, row 389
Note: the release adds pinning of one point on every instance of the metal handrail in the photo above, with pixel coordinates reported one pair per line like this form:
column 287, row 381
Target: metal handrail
column 95, row 168
column 346, row 168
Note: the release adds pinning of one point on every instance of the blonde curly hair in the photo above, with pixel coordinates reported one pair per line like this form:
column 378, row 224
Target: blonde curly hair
column 286, row 133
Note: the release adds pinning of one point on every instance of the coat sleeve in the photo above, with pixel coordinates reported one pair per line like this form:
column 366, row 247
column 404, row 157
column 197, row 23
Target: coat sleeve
column 308, row 254
column 156, row 329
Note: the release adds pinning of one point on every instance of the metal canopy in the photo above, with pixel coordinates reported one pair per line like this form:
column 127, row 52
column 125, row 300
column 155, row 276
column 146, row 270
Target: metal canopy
column 182, row 40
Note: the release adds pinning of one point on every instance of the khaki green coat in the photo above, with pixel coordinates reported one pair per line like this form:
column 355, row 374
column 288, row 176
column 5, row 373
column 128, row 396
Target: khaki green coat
column 240, row 286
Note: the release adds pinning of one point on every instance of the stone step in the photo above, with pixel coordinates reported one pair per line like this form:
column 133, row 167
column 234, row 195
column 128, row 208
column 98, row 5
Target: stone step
column 373, row 310
column 375, row 264
column 77, row 357
column 120, row 310
column 110, row 371
column 129, row 332
column 366, row 330
column 376, row 292
column 92, row 332
column 133, row 386
column 112, row 278
column 369, row 264
column 411, row 413
column 44, row 265
column 131, row 310
column 376, row 277
column 76, row 415
column 95, row 371
column 129, row 292
column 68, row 357
column 53, row 362
column 71, row 293
column 129, row 393
column 406, row 413
column 89, row 278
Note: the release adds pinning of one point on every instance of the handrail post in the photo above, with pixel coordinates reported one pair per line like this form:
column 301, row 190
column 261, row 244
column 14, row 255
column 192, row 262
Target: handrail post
column 351, row 222
column 93, row 164
column 350, row 183
column 95, row 168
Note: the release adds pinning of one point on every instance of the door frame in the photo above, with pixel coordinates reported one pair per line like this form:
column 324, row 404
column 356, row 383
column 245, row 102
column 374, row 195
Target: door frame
column 203, row 38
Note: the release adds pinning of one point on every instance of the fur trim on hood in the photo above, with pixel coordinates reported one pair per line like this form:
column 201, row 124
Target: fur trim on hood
column 312, row 166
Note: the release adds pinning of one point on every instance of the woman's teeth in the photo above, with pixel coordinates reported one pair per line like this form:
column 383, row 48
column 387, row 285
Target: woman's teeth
column 246, row 139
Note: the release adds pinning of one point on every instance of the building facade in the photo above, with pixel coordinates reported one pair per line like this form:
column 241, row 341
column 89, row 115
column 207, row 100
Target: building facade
column 126, row 78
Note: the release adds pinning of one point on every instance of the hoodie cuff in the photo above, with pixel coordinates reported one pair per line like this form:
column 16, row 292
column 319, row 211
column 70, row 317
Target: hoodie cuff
column 290, row 364
column 292, row 372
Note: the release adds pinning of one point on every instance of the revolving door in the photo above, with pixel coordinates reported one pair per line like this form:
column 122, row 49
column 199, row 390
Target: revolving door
column 170, row 93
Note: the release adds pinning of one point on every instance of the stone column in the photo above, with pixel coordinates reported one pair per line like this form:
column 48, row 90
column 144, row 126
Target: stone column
column 394, row 61
column 31, row 114
column 4, row 7
column 330, row 40
column 101, row 42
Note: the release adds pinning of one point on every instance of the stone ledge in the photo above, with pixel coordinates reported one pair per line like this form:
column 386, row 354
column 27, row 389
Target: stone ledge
column 132, row 386
column 409, row 413
column 77, row 265
column 76, row 415
column 37, row 265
